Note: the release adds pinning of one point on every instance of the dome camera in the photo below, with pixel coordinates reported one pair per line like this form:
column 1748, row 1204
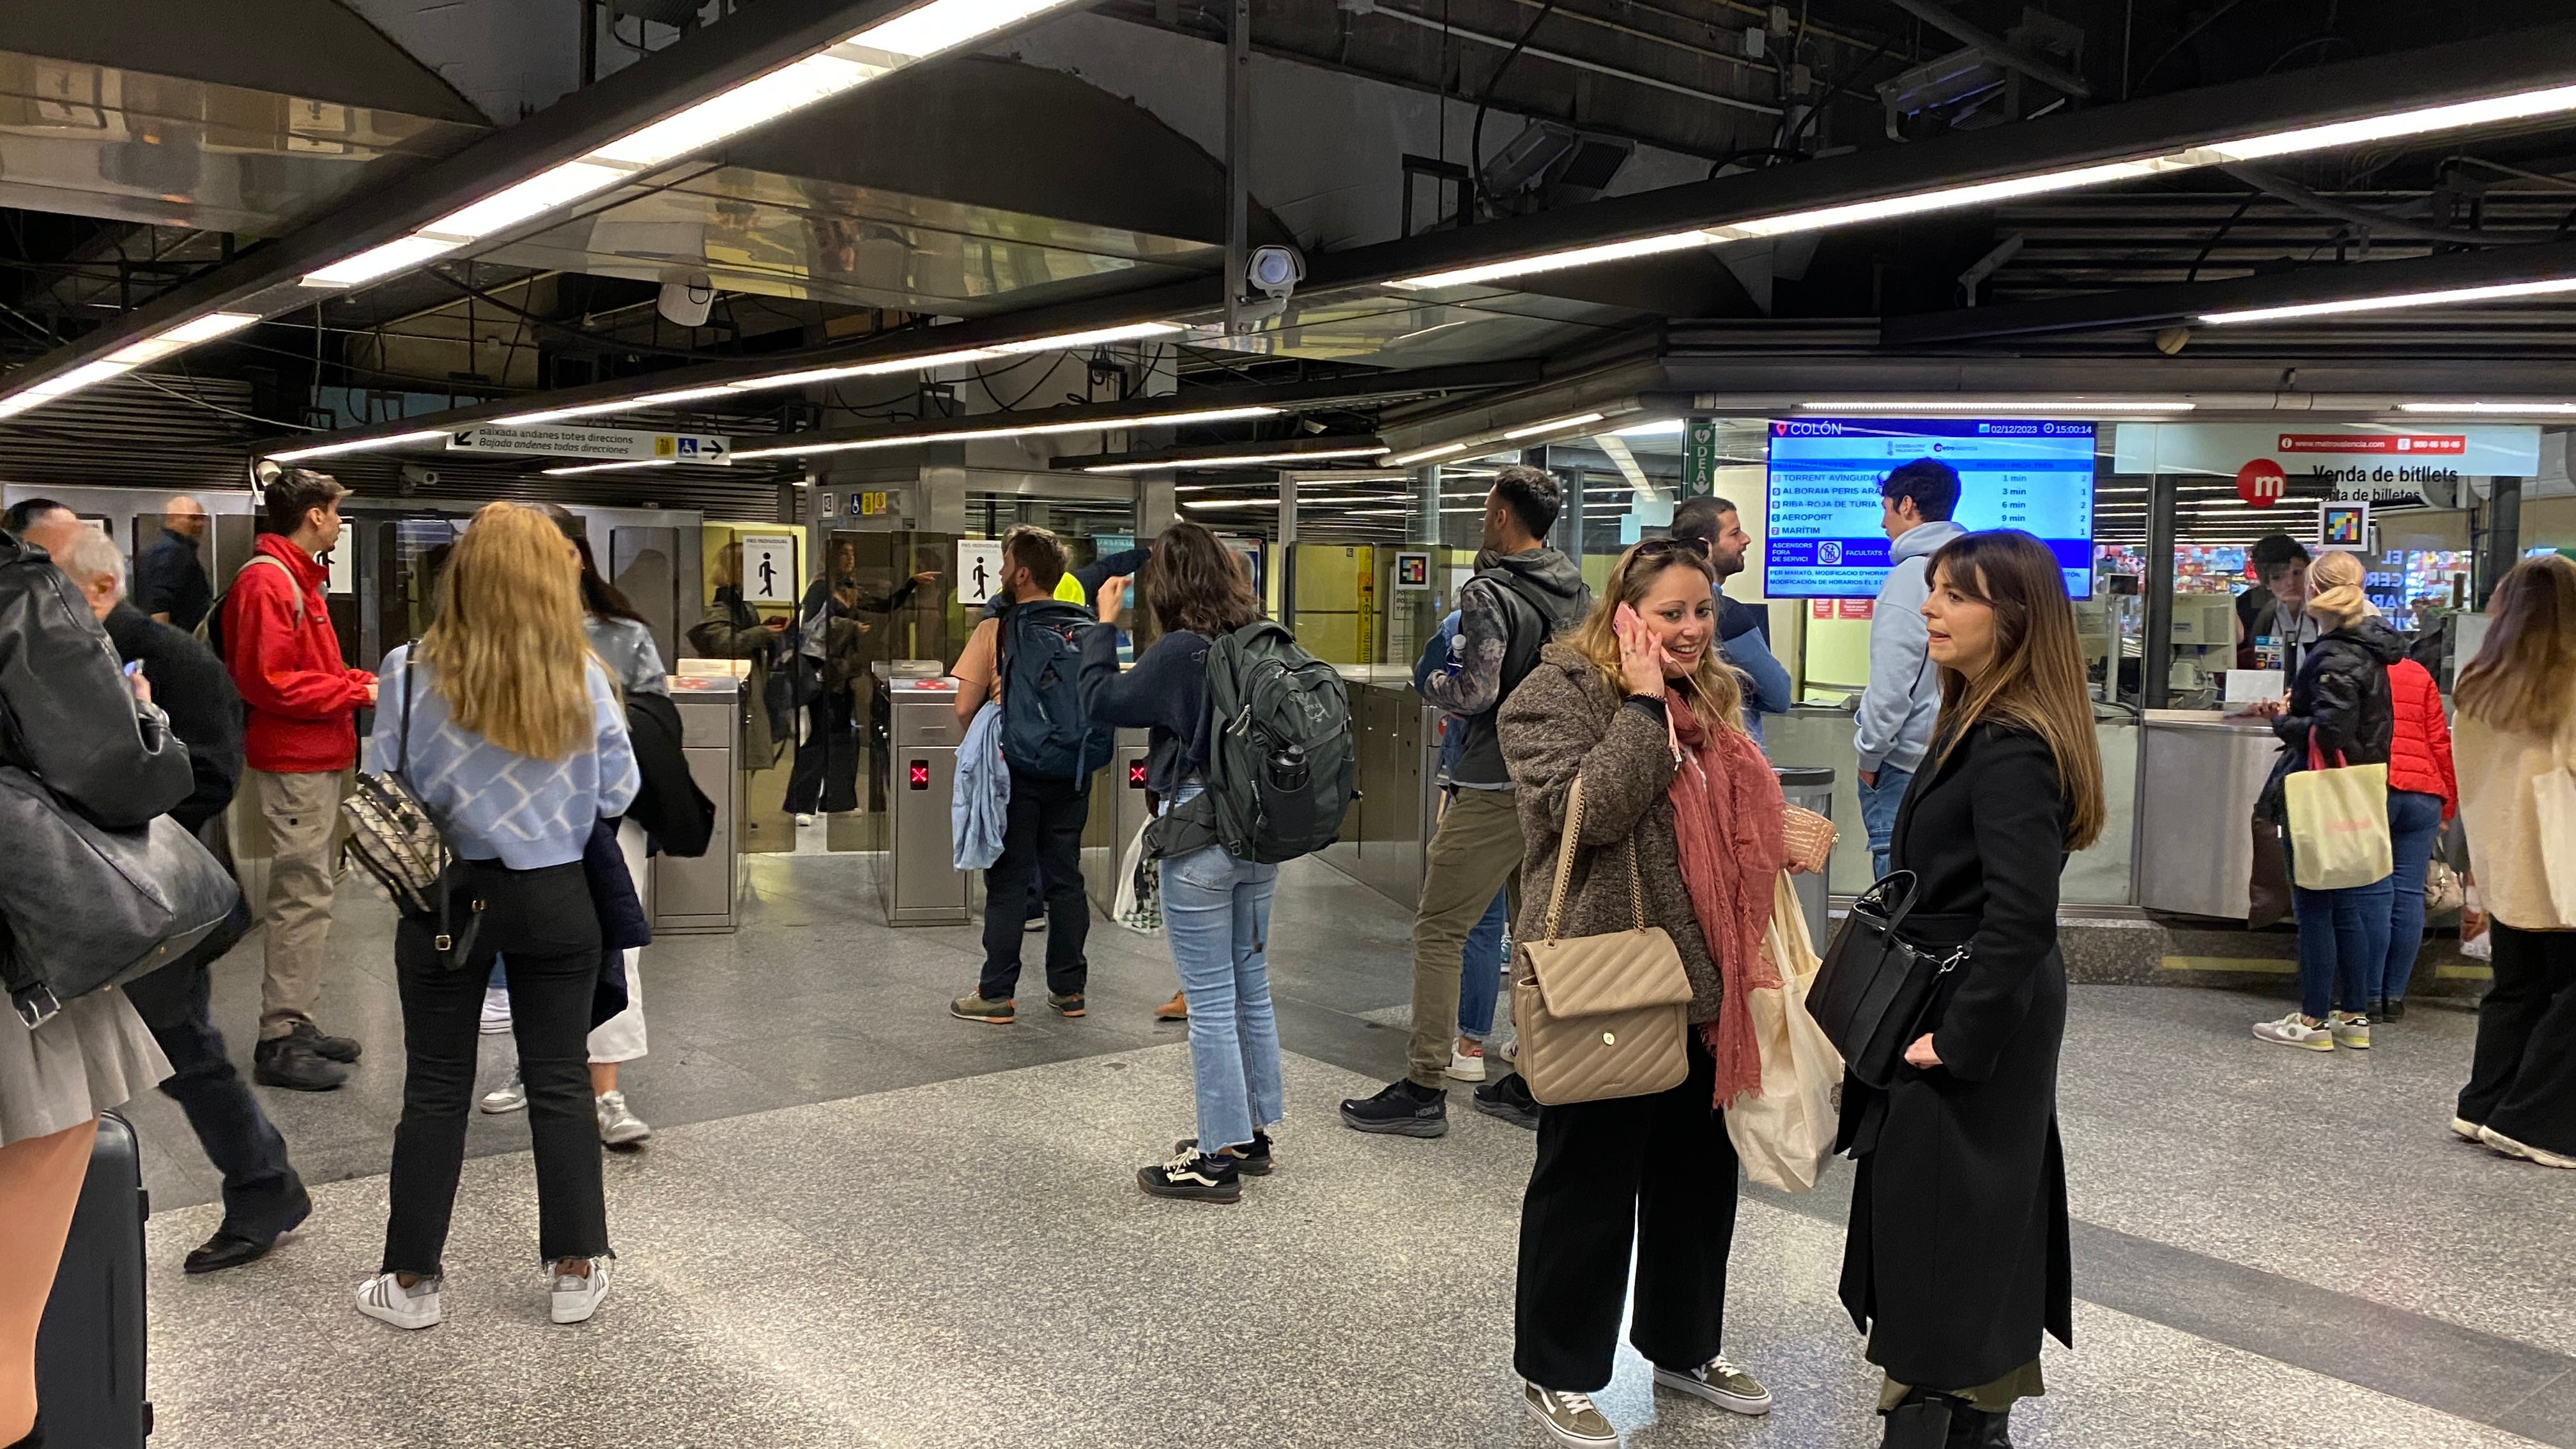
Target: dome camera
column 1274, row 271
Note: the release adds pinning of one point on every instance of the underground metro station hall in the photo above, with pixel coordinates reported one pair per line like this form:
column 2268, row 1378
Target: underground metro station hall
column 1389, row 724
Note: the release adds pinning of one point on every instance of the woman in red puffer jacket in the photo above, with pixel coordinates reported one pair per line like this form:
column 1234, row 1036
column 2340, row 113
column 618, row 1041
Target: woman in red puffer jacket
column 2423, row 793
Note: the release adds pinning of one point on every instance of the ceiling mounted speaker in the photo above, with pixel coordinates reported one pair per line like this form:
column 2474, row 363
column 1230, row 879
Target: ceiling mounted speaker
column 686, row 303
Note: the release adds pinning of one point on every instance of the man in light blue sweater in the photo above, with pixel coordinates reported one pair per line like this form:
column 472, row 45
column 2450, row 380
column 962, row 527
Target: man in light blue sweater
column 1898, row 707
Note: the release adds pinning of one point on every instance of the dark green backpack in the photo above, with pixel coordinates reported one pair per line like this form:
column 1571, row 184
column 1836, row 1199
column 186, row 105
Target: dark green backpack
column 1279, row 745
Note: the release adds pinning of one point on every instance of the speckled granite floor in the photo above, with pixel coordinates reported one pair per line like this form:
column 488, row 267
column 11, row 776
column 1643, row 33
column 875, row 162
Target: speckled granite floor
column 865, row 1224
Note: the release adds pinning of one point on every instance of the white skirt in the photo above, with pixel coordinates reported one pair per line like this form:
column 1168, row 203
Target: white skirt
column 621, row 1037
column 94, row 1054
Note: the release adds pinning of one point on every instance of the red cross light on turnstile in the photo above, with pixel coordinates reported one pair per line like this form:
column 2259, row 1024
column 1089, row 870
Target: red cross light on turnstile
column 919, row 777
column 1136, row 774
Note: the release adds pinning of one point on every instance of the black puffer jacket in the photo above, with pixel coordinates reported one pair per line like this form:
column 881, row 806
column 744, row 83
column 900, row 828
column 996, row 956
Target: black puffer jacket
column 2340, row 701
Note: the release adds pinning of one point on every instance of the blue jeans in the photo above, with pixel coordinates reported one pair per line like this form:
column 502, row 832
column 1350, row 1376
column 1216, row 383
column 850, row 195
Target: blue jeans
column 2343, row 943
column 1878, row 812
column 1216, row 913
column 2414, row 823
column 1480, row 970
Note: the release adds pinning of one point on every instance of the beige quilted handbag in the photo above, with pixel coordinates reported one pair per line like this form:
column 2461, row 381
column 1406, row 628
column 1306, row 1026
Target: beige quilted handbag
column 1599, row 1016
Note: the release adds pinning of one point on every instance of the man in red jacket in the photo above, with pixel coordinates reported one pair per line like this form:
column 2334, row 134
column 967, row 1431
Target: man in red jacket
column 299, row 737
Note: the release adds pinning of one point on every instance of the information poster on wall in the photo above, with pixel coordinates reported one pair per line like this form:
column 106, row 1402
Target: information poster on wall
column 1822, row 529
column 342, row 565
column 979, row 570
column 768, row 568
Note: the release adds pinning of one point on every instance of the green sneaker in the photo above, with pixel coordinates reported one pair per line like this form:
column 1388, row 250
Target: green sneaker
column 1069, row 1004
column 1719, row 1382
column 1570, row 1419
column 976, row 1008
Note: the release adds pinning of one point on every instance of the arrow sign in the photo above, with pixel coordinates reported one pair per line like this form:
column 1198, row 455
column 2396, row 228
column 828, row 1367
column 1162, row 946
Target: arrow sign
column 702, row 449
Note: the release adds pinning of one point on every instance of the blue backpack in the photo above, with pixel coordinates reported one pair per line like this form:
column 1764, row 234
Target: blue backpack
column 1046, row 732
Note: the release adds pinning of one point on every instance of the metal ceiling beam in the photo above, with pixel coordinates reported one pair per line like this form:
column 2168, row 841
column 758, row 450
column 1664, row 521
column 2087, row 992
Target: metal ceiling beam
column 749, row 43
column 1282, row 450
column 2158, row 125
column 2158, row 306
column 1994, row 47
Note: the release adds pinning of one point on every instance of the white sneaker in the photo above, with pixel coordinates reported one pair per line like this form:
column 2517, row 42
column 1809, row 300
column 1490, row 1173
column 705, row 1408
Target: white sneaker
column 1570, row 1419
column 804, row 819
column 2293, row 1030
column 2525, row 1151
column 496, row 1010
column 1721, row 1383
column 2468, row 1131
column 618, row 1124
column 576, row 1298
column 2350, row 1028
column 386, row 1300
column 510, row 1096
column 1465, row 1068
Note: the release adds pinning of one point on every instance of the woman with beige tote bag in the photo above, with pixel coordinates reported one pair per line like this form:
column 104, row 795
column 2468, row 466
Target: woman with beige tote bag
column 1676, row 833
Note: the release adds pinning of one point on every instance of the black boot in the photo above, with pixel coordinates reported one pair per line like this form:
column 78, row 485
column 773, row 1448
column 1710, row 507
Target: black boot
column 1978, row 1429
column 1922, row 1421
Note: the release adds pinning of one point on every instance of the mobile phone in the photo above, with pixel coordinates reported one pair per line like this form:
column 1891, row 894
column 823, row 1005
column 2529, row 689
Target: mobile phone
column 133, row 668
column 1625, row 618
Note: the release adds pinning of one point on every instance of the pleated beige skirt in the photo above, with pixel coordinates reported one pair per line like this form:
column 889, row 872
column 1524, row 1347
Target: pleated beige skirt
column 93, row 1055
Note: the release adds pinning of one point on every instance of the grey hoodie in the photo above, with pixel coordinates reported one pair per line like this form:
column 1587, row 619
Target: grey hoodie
column 1514, row 604
column 1904, row 693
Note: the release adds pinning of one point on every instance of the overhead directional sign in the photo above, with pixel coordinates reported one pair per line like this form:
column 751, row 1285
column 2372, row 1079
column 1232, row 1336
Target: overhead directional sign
column 551, row 442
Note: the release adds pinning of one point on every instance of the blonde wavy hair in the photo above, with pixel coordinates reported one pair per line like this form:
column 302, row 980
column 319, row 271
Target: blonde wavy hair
column 2334, row 589
column 1716, row 699
column 507, row 644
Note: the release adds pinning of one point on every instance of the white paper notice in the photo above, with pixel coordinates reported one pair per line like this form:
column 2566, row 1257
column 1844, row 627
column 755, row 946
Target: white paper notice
column 2253, row 686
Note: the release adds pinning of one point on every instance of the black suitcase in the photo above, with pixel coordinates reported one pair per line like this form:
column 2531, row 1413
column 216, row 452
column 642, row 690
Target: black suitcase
column 89, row 1349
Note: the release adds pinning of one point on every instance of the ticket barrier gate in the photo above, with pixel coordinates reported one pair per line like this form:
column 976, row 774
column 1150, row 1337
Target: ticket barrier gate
column 1119, row 809
column 699, row 896
column 914, row 764
column 1386, row 834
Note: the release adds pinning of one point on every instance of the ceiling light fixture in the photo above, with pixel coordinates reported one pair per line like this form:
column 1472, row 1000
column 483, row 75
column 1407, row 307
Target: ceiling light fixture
column 1023, row 430
column 2418, row 122
column 2501, row 291
column 1425, row 455
column 362, row 445
column 1576, row 421
column 2002, row 407
column 2551, row 409
column 609, row 467
column 1668, row 428
column 1302, row 501
column 125, row 359
column 1241, row 460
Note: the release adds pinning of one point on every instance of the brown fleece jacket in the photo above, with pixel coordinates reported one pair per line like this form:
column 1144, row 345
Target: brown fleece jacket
column 1562, row 719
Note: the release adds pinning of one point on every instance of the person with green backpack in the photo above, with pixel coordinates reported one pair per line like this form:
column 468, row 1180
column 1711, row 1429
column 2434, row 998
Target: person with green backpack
column 1269, row 785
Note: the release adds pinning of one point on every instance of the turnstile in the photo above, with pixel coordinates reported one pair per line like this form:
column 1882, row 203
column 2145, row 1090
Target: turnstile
column 915, row 766
column 1118, row 811
column 697, row 896
column 1810, row 787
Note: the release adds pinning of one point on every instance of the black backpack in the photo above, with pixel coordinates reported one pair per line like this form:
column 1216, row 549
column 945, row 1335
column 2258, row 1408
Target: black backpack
column 1046, row 730
column 1279, row 746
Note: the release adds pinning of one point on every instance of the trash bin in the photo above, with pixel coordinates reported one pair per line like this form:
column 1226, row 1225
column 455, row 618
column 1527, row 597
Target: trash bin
column 1810, row 787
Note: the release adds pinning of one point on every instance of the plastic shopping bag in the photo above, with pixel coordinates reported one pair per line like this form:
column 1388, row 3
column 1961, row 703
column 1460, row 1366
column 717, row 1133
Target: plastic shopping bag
column 1139, row 905
column 2338, row 825
column 2475, row 943
column 1785, row 1134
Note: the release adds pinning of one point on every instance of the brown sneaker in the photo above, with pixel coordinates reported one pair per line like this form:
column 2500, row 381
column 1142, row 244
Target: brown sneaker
column 1176, row 1009
column 976, row 1008
column 1068, row 1004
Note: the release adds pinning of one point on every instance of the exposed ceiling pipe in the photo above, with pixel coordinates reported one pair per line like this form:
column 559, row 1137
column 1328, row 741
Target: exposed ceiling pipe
column 2380, row 223
column 1994, row 47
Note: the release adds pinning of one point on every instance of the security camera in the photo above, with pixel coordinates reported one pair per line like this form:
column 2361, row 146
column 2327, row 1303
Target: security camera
column 1274, row 272
column 686, row 302
column 414, row 477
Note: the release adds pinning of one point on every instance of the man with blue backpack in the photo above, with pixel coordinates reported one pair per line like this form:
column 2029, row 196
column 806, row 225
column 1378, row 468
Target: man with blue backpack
column 1028, row 657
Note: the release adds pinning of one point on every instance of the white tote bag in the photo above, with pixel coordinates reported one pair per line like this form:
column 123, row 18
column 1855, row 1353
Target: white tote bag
column 2553, row 799
column 2338, row 825
column 1784, row 1135
column 1139, row 903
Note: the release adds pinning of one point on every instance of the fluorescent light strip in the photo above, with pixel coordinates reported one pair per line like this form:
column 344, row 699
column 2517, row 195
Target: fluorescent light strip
column 2552, row 409
column 1252, row 460
column 2501, row 291
column 2001, row 407
column 610, row 467
column 362, row 445
column 1026, row 430
column 1425, row 455
column 1302, row 502
column 2423, row 121
column 1668, row 428
column 125, row 359
column 1133, row 331
column 400, row 254
column 1576, row 421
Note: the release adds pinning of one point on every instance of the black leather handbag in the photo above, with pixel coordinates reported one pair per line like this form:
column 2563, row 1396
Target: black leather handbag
column 1875, row 989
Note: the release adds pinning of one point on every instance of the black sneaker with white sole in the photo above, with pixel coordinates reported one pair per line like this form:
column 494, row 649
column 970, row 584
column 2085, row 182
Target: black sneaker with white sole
column 1252, row 1161
column 1194, row 1174
column 1405, row 1109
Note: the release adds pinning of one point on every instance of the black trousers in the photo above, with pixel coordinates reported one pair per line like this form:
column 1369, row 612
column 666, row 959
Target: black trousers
column 545, row 921
column 261, row 1190
column 2522, row 1082
column 826, row 773
column 1041, row 845
column 1657, row 1172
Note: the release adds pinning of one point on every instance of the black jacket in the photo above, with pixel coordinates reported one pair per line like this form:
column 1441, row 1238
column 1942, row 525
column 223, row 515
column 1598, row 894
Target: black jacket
column 195, row 690
column 67, row 715
column 1956, row 1258
column 2340, row 701
column 171, row 580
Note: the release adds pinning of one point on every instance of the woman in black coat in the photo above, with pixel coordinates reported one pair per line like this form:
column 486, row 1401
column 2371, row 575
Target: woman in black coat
column 1956, row 1257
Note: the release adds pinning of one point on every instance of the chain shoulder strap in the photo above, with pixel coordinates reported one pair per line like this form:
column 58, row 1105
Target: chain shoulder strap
column 1565, row 866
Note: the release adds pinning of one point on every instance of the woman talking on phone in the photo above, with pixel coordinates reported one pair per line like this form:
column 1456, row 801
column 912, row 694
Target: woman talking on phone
column 1636, row 703
column 1956, row 1254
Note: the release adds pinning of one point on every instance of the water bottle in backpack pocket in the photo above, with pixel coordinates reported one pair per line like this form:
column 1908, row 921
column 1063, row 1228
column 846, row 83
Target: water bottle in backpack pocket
column 1279, row 745
column 1046, row 731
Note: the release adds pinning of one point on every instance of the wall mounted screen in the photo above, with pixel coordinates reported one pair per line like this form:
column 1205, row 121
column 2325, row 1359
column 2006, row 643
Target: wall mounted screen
column 1822, row 516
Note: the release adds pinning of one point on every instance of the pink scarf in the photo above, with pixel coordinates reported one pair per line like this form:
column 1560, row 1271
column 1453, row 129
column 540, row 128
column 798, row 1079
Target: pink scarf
column 1726, row 821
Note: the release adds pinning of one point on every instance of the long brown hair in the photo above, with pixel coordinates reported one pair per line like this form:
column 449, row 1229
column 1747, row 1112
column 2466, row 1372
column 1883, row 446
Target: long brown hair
column 507, row 644
column 2525, row 672
column 1193, row 581
column 2037, row 679
column 1715, row 697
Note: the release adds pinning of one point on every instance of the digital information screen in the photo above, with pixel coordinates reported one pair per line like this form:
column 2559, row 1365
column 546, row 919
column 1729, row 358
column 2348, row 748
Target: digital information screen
column 1822, row 513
